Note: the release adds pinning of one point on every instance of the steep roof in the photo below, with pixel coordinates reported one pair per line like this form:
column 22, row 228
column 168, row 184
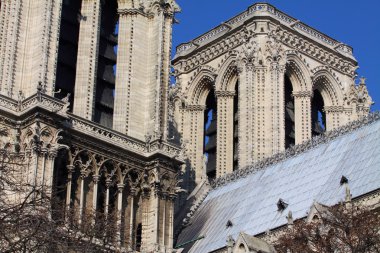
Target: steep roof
column 306, row 173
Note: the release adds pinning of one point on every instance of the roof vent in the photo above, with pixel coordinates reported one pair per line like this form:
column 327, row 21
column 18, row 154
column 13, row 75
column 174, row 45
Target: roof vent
column 343, row 180
column 281, row 205
column 229, row 224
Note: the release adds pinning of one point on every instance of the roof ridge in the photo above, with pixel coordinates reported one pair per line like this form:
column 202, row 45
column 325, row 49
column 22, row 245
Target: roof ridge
column 296, row 150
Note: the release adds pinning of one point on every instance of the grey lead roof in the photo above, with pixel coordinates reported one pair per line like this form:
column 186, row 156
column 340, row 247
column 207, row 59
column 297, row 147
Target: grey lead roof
column 250, row 202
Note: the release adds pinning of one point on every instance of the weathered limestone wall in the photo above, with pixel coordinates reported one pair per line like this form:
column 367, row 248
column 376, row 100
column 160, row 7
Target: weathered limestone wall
column 29, row 45
column 258, row 53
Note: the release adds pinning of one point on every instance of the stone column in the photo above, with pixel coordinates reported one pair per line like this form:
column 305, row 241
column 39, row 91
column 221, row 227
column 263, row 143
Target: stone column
column 225, row 133
column 146, row 228
column 302, row 107
column 70, row 170
column 275, row 110
column 120, row 188
column 195, row 135
column 81, row 196
column 132, row 216
column 95, row 179
column 108, row 185
column 245, row 106
column 171, row 221
column 143, row 69
column 252, row 114
column 85, row 81
column 333, row 115
column 164, row 221
column 124, row 68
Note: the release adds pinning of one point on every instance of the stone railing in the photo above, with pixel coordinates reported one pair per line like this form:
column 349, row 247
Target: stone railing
column 40, row 100
column 261, row 9
column 121, row 140
column 51, row 104
column 296, row 150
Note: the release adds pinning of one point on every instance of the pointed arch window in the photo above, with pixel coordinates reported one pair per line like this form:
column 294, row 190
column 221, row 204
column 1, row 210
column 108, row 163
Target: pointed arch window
column 210, row 134
column 318, row 115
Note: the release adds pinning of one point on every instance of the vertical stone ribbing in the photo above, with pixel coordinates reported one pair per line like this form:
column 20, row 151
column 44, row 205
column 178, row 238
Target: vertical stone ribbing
column 245, row 113
column 85, row 81
column 142, row 75
column 195, row 134
column 124, row 72
column 4, row 18
column 52, row 46
column 276, row 98
column 225, row 133
column 28, row 46
column 303, row 129
column 260, row 120
column 12, row 11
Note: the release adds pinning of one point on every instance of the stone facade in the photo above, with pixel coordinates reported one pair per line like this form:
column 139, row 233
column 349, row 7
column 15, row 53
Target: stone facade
column 273, row 66
column 86, row 102
column 100, row 133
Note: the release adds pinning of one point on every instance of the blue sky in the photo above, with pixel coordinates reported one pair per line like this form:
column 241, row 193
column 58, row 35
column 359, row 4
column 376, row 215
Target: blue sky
column 356, row 23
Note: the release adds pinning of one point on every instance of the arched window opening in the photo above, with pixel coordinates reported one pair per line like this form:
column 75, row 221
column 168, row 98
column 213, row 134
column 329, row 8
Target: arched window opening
column 289, row 114
column 210, row 119
column 318, row 115
column 105, row 83
column 241, row 248
column 236, row 125
column 68, row 49
column 60, row 177
column 138, row 237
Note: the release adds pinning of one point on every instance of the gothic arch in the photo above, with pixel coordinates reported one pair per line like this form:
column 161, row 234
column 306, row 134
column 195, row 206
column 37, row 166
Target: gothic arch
column 298, row 73
column 227, row 74
column 201, row 85
column 325, row 83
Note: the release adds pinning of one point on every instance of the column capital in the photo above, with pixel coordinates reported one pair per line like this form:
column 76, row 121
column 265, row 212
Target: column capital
column 196, row 107
column 120, row 187
column 95, row 178
column 130, row 11
column 225, row 93
column 333, row 109
column 303, row 94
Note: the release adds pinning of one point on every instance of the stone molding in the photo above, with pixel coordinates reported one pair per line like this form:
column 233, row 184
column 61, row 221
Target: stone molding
column 261, row 9
column 225, row 93
column 186, row 62
column 43, row 101
column 303, row 94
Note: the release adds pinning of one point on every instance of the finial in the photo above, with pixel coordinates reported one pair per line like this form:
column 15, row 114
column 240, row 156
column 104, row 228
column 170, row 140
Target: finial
column 362, row 80
column 230, row 241
column 290, row 218
column 348, row 194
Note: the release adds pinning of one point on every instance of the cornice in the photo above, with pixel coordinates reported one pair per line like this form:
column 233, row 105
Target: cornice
column 266, row 10
column 50, row 109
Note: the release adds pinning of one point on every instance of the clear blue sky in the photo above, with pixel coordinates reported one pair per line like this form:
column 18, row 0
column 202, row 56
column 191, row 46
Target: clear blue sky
column 354, row 22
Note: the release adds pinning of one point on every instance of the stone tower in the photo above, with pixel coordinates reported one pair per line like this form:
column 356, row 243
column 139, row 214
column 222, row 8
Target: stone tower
column 257, row 84
column 84, row 87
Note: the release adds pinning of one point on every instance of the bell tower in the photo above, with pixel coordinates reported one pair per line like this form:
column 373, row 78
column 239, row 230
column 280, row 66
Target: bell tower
column 142, row 73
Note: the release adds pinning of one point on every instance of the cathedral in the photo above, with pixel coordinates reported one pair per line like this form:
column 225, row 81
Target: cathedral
column 263, row 123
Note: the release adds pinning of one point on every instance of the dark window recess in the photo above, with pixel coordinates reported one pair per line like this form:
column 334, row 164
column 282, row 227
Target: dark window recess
column 210, row 134
column 318, row 116
column 236, row 125
column 289, row 114
column 138, row 236
column 105, row 83
column 68, row 50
